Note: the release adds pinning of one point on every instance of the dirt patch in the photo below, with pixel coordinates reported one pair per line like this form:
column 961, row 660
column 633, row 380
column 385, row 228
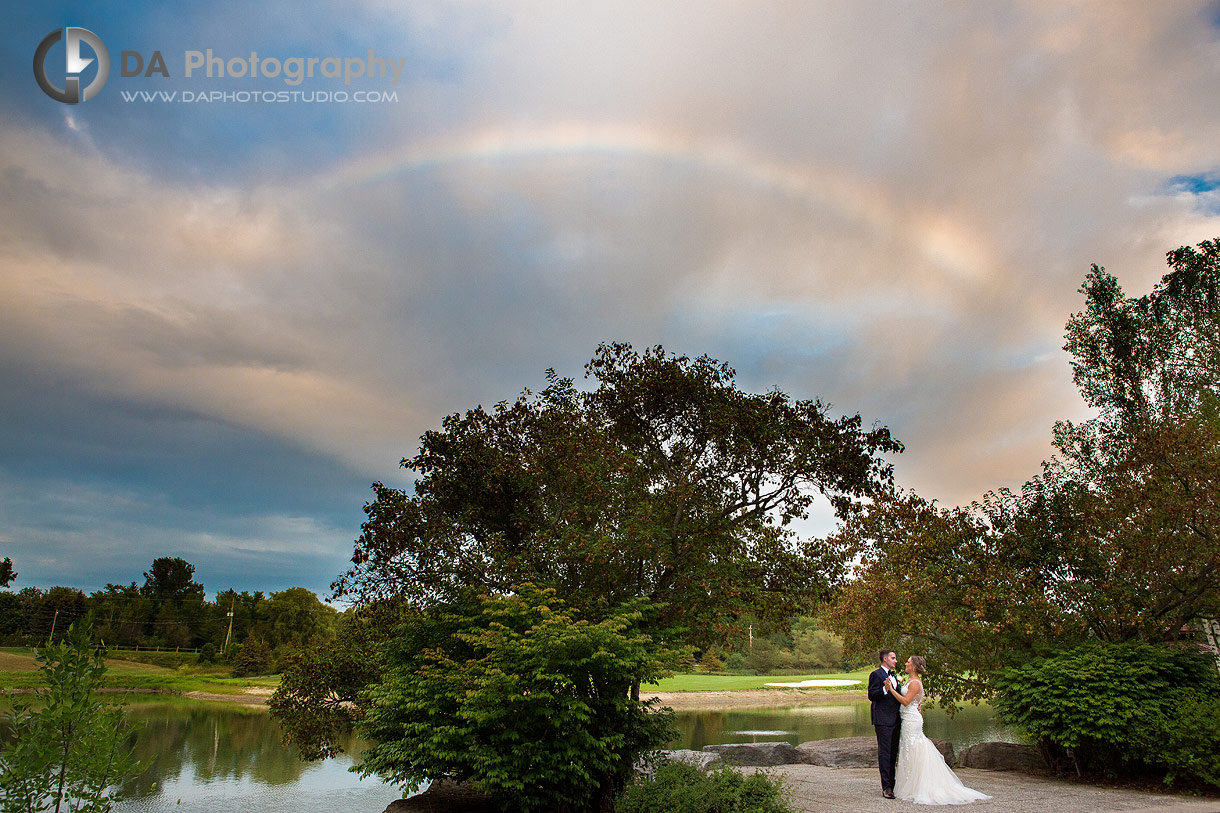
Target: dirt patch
column 10, row 662
column 253, row 696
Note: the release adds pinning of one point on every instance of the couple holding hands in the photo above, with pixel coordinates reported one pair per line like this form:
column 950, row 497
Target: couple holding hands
column 911, row 766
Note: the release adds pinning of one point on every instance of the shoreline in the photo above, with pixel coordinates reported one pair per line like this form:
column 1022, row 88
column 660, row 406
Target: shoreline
column 752, row 698
column 679, row 701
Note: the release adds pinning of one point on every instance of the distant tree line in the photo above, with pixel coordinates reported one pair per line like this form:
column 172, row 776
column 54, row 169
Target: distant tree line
column 801, row 645
column 169, row 610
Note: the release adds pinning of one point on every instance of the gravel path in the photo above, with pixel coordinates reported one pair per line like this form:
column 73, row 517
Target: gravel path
column 815, row 788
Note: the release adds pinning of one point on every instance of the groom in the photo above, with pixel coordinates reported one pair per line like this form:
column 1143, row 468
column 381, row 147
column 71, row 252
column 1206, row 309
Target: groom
column 885, row 718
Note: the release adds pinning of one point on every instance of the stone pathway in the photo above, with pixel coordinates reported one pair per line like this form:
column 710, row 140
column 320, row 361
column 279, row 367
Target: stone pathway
column 815, row 788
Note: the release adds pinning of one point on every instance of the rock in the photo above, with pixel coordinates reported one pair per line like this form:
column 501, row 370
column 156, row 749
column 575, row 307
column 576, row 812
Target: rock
column 756, row 753
column 700, row 759
column 1001, row 756
column 853, row 752
column 842, row 752
column 445, row 797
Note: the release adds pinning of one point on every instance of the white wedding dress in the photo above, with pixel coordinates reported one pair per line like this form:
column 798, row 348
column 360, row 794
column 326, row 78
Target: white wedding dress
column 921, row 775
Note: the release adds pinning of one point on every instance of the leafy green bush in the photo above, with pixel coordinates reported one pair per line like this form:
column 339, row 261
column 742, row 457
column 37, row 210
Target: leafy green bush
column 520, row 697
column 208, row 653
column 711, row 661
column 254, row 658
column 1110, row 707
column 66, row 750
column 677, row 787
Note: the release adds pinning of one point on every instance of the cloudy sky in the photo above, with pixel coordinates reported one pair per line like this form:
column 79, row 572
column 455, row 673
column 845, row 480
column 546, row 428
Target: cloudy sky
column 221, row 320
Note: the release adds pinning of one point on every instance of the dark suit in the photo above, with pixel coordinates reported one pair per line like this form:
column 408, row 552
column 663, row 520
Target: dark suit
column 887, row 723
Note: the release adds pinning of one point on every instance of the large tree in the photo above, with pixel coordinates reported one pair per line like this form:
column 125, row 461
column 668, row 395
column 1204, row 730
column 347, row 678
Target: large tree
column 1118, row 539
column 172, row 579
column 656, row 509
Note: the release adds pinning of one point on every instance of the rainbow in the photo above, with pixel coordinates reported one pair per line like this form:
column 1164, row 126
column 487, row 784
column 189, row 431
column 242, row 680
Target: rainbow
column 942, row 239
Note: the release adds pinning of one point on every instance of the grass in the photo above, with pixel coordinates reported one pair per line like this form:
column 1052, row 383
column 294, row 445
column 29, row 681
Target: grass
column 18, row 670
column 13, row 661
column 697, row 682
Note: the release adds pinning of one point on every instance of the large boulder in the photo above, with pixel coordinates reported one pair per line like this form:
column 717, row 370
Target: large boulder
column 853, row 752
column 841, row 752
column 445, row 797
column 756, row 753
column 700, row 759
column 1000, row 756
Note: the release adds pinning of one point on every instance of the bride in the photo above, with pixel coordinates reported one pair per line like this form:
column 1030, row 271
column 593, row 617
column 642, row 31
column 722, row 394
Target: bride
column 922, row 775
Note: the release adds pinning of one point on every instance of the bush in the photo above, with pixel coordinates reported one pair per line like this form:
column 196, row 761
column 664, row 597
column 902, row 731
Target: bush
column 1112, row 707
column 710, row 662
column 66, row 750
column 254, row 658
column 208, row 653
column 519, row 696
column 677, row 787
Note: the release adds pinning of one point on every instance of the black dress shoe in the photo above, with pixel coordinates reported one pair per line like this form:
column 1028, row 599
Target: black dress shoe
column 889, row 794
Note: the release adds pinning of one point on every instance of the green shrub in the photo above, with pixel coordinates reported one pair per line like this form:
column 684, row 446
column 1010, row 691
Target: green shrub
column 677, row 787
column 208, row 653
column 519, row 696
column 66, row 750
column 710, row 662
column 1112, row 707
column 254, row 658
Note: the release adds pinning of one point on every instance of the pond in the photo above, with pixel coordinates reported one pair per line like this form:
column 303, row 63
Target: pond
column 825, row 721
column 205, row 757
column 208, row 757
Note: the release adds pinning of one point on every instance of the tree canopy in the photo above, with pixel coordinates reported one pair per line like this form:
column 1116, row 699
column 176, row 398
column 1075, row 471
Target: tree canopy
column 172, row 579
column 664, row 482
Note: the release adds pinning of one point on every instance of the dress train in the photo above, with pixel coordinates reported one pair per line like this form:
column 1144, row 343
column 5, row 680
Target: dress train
column 922, row 776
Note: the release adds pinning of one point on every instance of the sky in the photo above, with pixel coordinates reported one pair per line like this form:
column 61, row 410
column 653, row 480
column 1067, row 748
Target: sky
column 229, row 303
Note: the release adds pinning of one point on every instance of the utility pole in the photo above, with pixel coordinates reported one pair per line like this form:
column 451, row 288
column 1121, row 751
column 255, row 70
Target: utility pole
column 229, row 634
column 51, row 637
column 751, row 638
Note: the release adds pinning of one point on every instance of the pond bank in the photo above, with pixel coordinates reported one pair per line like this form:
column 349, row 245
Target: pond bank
column 753, row 698
column 679, row 701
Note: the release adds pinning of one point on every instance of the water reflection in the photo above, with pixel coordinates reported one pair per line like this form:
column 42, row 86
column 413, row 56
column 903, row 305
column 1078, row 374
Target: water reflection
column 822, row 722
column 205, row 757
column 209, row 757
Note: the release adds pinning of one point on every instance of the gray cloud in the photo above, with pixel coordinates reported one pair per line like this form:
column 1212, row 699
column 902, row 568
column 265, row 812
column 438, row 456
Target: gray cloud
column 890, row 206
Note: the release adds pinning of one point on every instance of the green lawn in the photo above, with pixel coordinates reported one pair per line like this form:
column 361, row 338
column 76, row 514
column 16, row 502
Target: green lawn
column 724, row 683
column 21, row 659
column 18, row 671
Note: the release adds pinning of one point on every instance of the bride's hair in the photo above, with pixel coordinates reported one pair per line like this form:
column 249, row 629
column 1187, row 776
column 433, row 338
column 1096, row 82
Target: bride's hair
column 920, row 664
